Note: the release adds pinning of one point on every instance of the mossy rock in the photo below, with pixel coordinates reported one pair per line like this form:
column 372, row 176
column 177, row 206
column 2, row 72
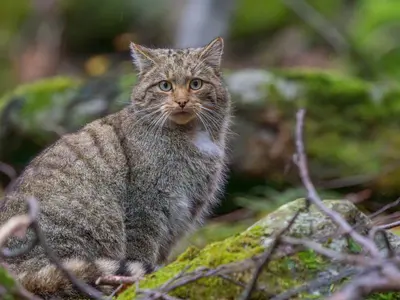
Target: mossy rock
column 351, row 125
column 287, row 270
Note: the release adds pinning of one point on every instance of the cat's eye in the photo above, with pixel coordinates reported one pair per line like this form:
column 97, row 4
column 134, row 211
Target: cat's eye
column 165, row 86
column 196, row 84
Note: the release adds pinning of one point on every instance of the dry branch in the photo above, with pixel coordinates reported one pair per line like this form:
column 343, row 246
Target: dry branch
column 266, row 257
column 381, row 274
column 313, row 197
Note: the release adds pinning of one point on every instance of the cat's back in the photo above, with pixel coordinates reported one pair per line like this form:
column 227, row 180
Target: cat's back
column 90, row 162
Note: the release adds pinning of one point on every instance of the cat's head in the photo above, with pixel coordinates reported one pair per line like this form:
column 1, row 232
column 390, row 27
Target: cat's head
column 180, row 85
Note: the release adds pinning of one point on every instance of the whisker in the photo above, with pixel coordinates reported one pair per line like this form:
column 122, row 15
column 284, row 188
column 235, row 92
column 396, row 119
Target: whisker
column 211, row 119
column 207, row 109
column 162, row 123
column 147, row 115
column 151, row 127
column 204, row 123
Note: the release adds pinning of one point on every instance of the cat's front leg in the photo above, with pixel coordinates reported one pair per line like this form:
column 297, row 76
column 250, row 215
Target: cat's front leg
column 145, row 231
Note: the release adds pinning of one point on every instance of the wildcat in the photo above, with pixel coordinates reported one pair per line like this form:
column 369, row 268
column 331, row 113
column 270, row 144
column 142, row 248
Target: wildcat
column 116, row 195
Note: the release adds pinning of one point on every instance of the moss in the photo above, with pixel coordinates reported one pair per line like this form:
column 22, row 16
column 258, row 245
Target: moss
column 282, row 274
column 235, row 248
column 213, row 232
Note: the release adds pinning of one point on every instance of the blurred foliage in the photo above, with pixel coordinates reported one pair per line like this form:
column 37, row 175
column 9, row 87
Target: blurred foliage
column 12, row 15
column 258, row 17
column 90, row 29
column 93, row 27
column 95, row 34
column 266, row 199
column 375, row 29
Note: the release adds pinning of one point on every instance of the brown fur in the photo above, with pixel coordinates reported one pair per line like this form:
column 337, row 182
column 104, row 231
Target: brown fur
column 122, row 190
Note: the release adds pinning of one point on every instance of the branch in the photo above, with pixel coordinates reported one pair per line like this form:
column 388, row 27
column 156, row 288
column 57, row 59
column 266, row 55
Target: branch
column 380, row 274
column 116, row 280
column 266, row 257
column 340, row 257
column 80, row 285
column 8, row 171
column 18, row 290
column 11, row 174
column 385, row 208
column 389, row 226
column 17, row 226
column 316, row 200
column 385, row 279
column 314, row 285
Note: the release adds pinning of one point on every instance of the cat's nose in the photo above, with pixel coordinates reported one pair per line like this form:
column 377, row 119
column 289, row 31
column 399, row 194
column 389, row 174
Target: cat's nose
column 182, row 103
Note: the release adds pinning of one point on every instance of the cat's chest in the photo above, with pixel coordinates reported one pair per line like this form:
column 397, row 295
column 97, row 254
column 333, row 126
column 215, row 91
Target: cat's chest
column 186, row 168
column 203, row 144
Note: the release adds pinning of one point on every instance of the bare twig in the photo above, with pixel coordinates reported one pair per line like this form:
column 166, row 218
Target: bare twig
column 153, row 295
column 340, row 257
column 316, row 200
column 385, row 208
column 357, row 179
column 18, row 290
column 176, row 277
column 18, row 225
column 382, row 274
column 8, row 171
column 266, row 257
column 384, row 279
column 390, row 225
column 116, row 280
column 116, row 291
column 314, row 285
column 80, row 285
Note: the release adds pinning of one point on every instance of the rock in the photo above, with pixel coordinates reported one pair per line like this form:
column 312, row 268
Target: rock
column 351, row 125
column 287, row 269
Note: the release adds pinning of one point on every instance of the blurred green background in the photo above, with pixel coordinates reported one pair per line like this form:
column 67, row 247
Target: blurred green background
column 84, row 38
column 358, row 39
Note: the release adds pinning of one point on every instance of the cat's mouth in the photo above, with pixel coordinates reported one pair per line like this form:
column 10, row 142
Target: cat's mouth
column 182, row 117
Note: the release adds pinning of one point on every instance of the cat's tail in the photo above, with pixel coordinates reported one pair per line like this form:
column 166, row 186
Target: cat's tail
column 51, row 281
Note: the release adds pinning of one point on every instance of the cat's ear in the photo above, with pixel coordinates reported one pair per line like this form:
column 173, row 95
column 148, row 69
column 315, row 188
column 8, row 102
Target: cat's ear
column 143, row 58
column 212, row 53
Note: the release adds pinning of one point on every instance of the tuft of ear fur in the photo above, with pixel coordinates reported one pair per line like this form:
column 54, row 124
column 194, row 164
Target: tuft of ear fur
column 143, row 57
column 212, row 53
